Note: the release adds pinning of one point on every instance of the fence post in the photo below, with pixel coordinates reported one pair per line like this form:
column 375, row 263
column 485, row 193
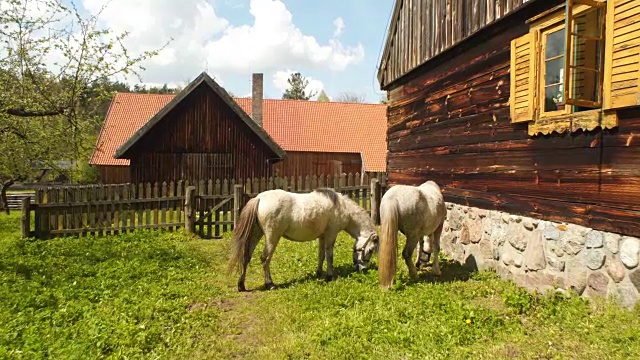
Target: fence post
column 26, row 217
column 375, row 201
column 189, row 209
column 238, row 197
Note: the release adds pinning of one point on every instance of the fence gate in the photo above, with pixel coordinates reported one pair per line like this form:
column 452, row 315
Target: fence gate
column 213, row 208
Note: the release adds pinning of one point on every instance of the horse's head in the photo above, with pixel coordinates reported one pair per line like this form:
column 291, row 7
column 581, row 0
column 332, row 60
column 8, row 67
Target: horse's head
column 363, row 249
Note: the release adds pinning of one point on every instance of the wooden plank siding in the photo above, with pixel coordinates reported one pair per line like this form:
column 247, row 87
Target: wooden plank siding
column 111, row 174
column 303, row 163
column 422, row 29
column 202, row 138
column 451, row 123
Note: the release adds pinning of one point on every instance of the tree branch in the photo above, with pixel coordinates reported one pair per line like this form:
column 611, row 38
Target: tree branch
column 21, row 112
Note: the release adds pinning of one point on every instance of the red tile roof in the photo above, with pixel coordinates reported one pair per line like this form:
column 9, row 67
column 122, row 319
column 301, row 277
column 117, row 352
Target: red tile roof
column 296, row 125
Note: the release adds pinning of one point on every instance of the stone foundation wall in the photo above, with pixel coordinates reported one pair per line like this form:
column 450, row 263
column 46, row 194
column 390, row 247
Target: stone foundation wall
column 544, row 255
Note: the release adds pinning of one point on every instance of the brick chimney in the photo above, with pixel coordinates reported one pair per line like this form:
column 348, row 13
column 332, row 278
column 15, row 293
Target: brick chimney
column 256, row 98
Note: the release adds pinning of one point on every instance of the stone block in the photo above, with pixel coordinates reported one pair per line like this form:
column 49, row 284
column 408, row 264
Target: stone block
column 576, row 279
column 635, row 278
column 625, row 294
column 464, row 235
column 616, row 271
column 555, row 264
column 551, row 232
column 476, row 230
column 572, row 242
column 612, row 242
column 529, row 223
column 629, row 249
column 518, row 236
column 598, row 283
column 594, row 240
column 534, row 256
column 594, row 258
column 511, row 257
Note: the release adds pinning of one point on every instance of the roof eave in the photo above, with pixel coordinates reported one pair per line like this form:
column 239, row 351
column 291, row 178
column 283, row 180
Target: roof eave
column 470, row 38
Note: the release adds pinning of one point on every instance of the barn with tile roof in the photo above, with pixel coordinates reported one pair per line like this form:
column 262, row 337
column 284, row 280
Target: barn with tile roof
column 202, row 133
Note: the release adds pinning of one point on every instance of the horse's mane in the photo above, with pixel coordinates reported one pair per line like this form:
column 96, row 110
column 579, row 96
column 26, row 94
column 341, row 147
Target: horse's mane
column 348, row 204
column 329, row 193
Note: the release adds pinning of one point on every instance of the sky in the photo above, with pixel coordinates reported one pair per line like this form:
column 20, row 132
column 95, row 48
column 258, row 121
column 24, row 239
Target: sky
column 335, row 44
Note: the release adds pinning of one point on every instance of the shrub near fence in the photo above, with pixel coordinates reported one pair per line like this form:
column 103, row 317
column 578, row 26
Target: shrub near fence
column 207, row 208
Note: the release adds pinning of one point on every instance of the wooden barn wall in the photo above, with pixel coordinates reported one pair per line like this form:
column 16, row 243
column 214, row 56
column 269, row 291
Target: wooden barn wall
column 302, row 163
column 200, row 139
column 422, row 29
column 451, row 124
column 113, row 174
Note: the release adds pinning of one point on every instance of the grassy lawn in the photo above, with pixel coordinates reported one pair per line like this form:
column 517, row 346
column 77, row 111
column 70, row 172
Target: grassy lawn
column 166, row 295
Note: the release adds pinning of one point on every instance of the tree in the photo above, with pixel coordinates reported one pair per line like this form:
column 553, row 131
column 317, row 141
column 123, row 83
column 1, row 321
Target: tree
column 323, row 97
column 165, row 89
column 297, row 88
column 55, row 69
column 351, row 97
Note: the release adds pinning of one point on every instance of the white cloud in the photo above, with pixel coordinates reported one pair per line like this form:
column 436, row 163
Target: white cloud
column 202, row 40
column 339, row 24
column 273, row 41
column 151, row 24
column 280, row 82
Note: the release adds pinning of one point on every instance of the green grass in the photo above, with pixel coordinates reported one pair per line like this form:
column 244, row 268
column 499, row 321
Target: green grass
column 165, row 295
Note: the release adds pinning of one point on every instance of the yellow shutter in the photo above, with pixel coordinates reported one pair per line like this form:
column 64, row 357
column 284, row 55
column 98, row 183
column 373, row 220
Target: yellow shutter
column 523, row 78
column 622, row 54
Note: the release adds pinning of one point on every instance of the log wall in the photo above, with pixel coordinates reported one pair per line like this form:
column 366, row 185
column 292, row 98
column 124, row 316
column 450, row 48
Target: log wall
column 450, row 123
column 422, row 29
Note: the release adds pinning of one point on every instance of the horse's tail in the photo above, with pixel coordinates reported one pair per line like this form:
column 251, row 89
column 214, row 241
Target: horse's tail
column 242, row 233
column 388, row 255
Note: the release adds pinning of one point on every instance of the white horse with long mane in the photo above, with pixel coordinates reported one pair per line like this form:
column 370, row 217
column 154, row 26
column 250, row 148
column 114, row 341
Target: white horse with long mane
column 418, row 212
column 321, row 214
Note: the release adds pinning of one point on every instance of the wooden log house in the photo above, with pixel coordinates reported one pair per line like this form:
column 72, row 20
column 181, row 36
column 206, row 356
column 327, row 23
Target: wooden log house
column 507, row 109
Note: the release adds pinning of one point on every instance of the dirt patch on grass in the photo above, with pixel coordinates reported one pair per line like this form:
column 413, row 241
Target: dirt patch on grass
column 239, row 312
column 511, row 351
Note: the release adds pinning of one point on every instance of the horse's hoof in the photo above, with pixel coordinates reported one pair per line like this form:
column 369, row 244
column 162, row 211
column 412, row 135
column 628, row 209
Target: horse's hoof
column 328, row 278
column 270, row 286
column 241, row 288
column 437, row 272
column 319, row 274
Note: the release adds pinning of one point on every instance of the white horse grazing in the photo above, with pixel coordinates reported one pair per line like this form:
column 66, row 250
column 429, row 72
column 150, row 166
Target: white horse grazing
column 321, row 214
column 418, row 212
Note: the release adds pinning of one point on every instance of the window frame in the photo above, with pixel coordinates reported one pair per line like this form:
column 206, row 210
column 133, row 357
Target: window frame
column 575, row 116
column 540, row 79
column 586, row 7
column 553, row 22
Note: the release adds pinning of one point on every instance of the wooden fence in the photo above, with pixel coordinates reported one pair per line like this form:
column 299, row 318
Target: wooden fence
column 207, row 208
column 15, row 200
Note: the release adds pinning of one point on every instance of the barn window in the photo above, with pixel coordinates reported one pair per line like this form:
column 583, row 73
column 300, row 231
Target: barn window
column 557, row 69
